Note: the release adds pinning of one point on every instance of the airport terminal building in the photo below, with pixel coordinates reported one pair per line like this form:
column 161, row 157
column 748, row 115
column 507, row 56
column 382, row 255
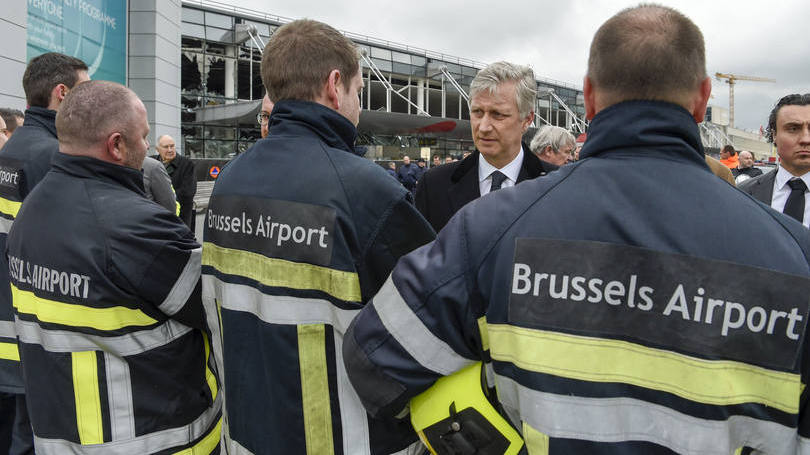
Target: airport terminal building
column 196, row 66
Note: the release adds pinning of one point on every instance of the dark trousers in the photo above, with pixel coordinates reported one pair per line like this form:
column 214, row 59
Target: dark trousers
column 16, row 436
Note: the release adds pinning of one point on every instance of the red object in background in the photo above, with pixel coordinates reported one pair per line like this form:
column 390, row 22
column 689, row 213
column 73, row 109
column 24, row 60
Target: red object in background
column 440, row 127
column 582, row 137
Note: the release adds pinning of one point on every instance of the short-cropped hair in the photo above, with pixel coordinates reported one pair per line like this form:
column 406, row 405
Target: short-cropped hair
column 498, row 73
column 299, row 57
column 728, row 148
column 46, row 71
column 94, row 110
column 10, row 116
column 649, row 52
column 553, row 136
column 788, row 100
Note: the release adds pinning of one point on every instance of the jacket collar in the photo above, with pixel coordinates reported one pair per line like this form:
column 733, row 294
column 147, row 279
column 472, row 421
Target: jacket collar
column 532, row 165
column 86, row 167
column 40, row 116
column 295, row 117
column 655, row 126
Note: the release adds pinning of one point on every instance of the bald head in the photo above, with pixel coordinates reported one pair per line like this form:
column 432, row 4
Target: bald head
column 649, row 52
column 166, row 148
column 103, row 120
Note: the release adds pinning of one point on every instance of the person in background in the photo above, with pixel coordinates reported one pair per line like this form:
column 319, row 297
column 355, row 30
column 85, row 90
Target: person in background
column 408, row 174
column 263, row 117
column 181, row 172
column 553, row 144
column 746, row 169
column 13, row 119
column 785, row 188
column 728, row 156
column 157, row 185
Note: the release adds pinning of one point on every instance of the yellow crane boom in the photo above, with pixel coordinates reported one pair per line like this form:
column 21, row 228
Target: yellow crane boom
column 731, row 79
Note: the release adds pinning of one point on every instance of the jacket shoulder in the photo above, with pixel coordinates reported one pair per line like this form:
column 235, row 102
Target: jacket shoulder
column 766, row 178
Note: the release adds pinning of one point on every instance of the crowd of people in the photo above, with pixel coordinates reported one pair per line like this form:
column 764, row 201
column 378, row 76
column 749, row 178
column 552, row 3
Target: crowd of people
column 540, row 297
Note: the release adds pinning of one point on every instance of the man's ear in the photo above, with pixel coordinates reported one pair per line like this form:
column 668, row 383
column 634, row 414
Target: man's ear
column 527, row 122
column 115, row 148
column 590, row 98
column 333, row 83
column 701, row 99
column 58, row 94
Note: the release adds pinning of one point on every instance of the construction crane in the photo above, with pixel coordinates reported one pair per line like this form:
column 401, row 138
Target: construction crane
column 731, row 79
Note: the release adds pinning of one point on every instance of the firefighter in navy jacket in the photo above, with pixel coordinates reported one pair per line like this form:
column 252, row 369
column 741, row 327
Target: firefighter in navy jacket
column 606, row 296
column 106, row 293
column 299, row 234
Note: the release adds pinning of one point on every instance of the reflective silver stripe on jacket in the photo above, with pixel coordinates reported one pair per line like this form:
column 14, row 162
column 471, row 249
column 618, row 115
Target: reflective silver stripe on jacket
column 146, row 444
column 279, row 309
column 184, row 285
column 119, row 396
column 122, row 345
column 409, row 331
column 5, row 225
column 7, row 329
column 293, row 310
column 353, row 417
column 629, row 419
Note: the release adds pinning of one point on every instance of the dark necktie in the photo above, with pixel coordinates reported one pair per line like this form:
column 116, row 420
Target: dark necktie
column 497, row 180
column 795, row 203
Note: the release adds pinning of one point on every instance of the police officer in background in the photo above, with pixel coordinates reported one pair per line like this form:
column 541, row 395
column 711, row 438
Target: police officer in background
column 24, row 161
column 300, row 233
column 106, row 293
column 617, row 323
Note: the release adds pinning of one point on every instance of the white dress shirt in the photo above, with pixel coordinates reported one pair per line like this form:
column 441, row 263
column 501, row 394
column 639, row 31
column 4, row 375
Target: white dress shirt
column 511, row 172
column 781, row 191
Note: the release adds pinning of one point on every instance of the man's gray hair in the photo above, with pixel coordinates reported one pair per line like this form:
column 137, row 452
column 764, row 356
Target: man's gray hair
column 553, row 136
column 499, row 72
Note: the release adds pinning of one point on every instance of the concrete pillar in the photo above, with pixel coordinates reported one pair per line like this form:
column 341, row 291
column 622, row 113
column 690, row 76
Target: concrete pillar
column 420, row 94
column 154, row 63
column 230, row 73
column 13, row 23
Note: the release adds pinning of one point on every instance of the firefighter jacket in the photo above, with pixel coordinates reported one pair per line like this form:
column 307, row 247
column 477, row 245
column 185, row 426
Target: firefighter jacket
column 106, row 293
column 612, row 302
column 299, row 234
column 24, row 161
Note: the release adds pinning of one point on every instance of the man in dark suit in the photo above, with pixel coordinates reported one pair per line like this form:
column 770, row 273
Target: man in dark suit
column 785, row 188
column 181, row 171
column 501, row 109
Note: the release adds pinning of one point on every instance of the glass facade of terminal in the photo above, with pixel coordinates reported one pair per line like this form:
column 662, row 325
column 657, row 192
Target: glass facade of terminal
column 217, row 70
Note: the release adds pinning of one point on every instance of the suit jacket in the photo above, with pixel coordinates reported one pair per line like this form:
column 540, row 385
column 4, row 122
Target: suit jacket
column 760, row 187
column 444, row 189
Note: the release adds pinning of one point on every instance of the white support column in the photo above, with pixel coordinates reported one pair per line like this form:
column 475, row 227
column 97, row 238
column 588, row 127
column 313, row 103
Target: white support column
column 13, row 25
column 388, row 95
column 230, row 73
column 420, row 94
column 154, row 64
column 444, row 98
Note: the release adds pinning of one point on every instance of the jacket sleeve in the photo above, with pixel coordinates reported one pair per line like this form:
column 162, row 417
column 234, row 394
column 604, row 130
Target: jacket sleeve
column 188, row 184
column 421, row 325
column 161, row 266
column 401, row 231
column 161, row 187
column 421, row 197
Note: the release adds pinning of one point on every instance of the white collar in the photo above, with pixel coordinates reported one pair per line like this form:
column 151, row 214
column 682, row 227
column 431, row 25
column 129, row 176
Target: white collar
column 782, row 177
column 511, row 170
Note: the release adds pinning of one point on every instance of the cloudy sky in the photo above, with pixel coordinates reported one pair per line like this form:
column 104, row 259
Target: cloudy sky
column 764, row 39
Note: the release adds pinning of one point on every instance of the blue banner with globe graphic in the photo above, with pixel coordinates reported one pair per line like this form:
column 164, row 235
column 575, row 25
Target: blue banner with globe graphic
column 94, row 31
